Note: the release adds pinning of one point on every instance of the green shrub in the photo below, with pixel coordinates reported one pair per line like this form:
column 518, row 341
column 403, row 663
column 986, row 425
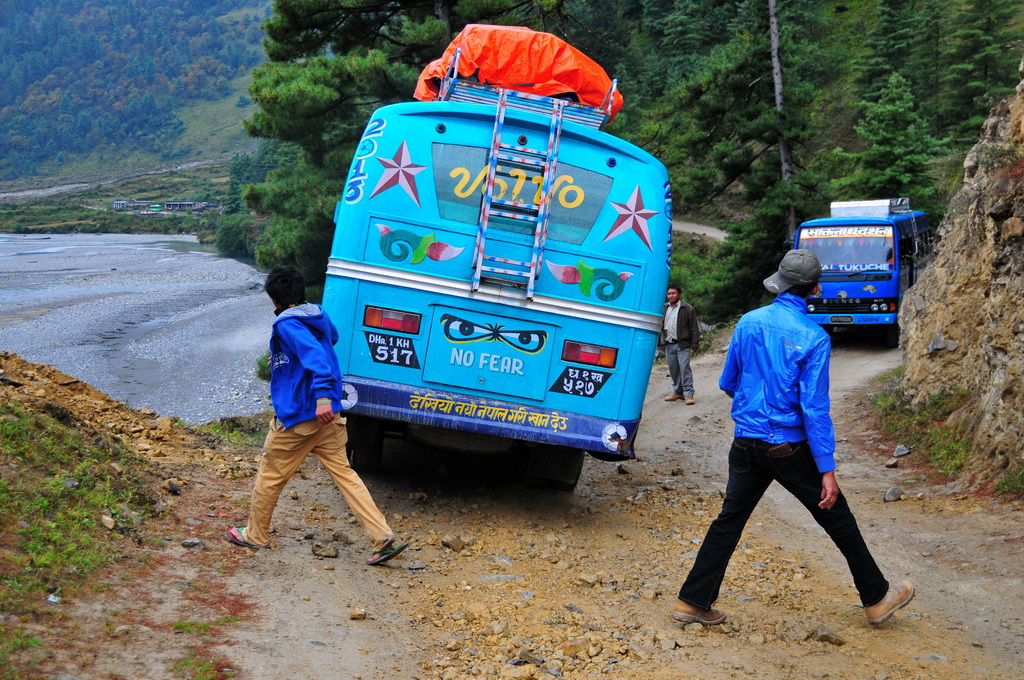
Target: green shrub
column 263, row 367
column 1012, row 482
column 922, row 427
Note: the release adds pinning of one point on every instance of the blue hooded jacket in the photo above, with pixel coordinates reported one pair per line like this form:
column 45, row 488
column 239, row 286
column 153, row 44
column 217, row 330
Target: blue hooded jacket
column 303, row 365
column 776, row 371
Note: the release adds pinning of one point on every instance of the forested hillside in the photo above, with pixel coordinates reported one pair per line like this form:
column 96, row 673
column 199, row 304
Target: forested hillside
column 86, row 77
column 871, row 98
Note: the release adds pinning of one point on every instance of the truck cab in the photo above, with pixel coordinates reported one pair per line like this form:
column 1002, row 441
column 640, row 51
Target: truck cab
column 871, row 253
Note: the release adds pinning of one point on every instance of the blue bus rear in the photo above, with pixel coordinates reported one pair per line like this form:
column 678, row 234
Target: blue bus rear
column 476, row 329
column 871, row 253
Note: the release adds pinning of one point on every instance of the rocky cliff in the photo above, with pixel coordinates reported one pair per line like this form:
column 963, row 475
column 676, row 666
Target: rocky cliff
column 964, row 324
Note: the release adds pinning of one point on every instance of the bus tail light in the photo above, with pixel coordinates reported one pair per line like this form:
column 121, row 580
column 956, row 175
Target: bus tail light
column 595, row 355
column 392, row 320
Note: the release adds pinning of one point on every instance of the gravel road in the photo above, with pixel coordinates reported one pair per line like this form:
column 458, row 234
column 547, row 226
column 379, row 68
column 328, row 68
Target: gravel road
column 149, row 319
column 502, row 580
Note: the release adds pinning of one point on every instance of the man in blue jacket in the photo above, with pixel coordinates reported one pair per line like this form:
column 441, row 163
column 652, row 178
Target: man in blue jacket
column 776, row 372
column 305, row 389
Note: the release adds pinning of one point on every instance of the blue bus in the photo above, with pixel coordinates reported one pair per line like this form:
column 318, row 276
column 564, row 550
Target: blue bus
column 871, row 253
column 502, row 262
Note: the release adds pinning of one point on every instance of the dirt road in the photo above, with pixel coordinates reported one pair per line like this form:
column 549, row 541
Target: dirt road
column 510, row 582
column 92, row 182
column 703, row 229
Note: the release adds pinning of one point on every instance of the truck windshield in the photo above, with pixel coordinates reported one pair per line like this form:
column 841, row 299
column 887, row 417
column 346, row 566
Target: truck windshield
column 850, row 248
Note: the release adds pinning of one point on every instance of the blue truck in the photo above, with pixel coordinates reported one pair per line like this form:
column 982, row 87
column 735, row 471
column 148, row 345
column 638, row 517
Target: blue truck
column 871, row 253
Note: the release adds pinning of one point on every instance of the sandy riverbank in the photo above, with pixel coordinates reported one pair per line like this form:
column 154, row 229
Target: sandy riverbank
column 140, row 317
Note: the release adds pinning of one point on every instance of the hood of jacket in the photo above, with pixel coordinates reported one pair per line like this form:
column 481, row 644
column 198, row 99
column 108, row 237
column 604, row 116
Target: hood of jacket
column 313, row 317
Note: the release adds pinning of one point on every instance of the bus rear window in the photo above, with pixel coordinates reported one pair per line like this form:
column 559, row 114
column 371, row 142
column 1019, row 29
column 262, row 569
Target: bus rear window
column 460, row 173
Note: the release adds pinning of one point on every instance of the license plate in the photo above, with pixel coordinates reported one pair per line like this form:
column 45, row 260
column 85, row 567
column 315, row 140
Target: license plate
column 840, row 319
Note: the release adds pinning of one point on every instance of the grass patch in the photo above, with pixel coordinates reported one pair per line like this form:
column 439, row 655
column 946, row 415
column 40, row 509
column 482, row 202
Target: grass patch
column 191, row 627
column 922, row 427
column 12, row 641
column 56, row 485
column 215, row 127
column 1012, row 482
column 240, row 430
column 198, row 666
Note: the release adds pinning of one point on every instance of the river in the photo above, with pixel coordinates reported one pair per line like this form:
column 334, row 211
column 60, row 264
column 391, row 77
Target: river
column 155, row 321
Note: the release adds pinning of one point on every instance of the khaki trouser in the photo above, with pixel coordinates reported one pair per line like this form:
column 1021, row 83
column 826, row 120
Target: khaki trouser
column 283, row 453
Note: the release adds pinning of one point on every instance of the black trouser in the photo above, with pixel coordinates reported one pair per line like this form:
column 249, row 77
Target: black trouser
column 751, row 471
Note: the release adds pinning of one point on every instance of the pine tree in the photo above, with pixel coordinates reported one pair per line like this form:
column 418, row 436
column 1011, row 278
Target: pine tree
column 898, row 148
column 681, row 34
column 719, row 134
column 248, row 169
column 927, row 62
column 888, row 46
column 981, row 64
column 332, row 62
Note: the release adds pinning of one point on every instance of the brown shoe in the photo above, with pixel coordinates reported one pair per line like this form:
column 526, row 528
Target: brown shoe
column 687, row 613
column 897, row 598
column 674, row 397
column 690, row 401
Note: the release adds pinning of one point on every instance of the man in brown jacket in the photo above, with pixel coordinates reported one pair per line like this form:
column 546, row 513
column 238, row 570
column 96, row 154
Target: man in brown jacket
column 680, row 336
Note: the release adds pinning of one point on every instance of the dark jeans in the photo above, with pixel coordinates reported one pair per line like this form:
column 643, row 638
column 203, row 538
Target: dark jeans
column 751, row 471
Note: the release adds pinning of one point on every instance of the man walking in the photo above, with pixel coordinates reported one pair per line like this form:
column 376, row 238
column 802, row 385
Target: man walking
column 680, row 336
column 305, row 389
column 776, row 372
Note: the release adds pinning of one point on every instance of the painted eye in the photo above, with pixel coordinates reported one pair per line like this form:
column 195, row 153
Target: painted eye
column 457, row 329
column 460, row 330
column 530, row 342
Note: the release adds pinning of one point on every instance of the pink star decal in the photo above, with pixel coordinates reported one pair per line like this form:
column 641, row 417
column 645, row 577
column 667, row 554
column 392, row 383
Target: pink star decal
column 632, row 216
column 400, row 171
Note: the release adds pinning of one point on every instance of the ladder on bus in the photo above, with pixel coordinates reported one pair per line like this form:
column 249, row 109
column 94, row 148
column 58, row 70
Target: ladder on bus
column 487, row 266
column 490, row 267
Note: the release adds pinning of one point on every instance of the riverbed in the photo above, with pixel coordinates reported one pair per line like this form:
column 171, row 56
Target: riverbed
column 155, row 321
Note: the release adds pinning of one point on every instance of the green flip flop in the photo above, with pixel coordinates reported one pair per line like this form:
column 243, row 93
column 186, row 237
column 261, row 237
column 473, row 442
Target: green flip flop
column 387, row 552
column 237, row 536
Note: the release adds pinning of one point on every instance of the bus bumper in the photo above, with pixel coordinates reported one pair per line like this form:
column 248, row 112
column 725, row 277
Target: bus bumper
column 852, row 319
column 602, row 438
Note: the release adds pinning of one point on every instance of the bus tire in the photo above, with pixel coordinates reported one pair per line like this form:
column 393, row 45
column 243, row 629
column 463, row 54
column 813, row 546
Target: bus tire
column 556, row 467
column 892, row 335
column 365, row 443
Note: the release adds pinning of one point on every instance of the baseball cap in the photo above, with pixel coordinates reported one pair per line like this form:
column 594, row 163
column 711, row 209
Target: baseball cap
column 798, row 267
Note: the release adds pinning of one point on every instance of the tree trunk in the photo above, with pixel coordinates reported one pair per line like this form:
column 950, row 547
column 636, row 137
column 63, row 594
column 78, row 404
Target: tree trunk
column 443, row 12
column 785, row 155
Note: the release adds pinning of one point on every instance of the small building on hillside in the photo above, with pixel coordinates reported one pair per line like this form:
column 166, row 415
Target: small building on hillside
column 169, row 206
column 129, row 204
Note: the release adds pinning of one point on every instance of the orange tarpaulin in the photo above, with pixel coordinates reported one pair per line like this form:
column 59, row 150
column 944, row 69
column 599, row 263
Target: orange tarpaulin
column 521, row 59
